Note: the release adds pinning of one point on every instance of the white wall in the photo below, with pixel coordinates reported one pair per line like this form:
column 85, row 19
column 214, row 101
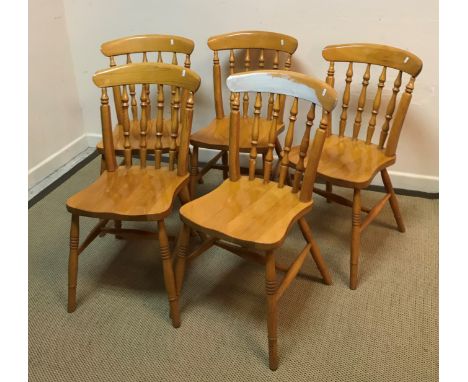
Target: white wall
column 412, row 25
column 56, row 129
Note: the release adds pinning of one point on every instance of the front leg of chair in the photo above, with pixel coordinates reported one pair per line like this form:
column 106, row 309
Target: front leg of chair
column 315, row 251
column 393, row 200
column 73, row 262
column 355, row 239
column 272, row 314
column 193, row 171
column 183, row 242
column 168, row 273
column 329, row 190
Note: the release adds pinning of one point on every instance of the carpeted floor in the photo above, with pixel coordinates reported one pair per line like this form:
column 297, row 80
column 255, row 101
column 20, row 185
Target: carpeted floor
column 386, row 330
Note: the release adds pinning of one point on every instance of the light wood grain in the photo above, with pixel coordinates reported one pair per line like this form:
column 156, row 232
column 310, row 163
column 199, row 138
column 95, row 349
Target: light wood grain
column 254, row 40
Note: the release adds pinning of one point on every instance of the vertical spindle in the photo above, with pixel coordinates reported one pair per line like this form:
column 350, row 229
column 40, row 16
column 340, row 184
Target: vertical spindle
column 218, row 95
column 287, row 144
column 255, row 131
column 390, row 110
column 376, row 106
column 143, row 128
column 117, row 96
column 107, row 136
column 361, row 103
column 174, row 127
column 271, row 141
column 234, row 136
column 126, row 129
column 245, row 105
column 346, row 94
column 133, row 101
column 159, row 127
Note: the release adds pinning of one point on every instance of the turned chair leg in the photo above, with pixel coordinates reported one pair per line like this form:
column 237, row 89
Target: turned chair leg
column 355, row 239
column 329, row 190
column 168, row 273
column 393, row 200
column 73, row 262
column 225, row 162
column 315, row 251
column 272, row 314
column 193, row 171
column 183, row 243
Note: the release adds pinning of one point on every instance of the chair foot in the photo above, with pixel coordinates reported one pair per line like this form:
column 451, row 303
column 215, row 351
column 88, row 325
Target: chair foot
column 355, row 239
column 73, row 262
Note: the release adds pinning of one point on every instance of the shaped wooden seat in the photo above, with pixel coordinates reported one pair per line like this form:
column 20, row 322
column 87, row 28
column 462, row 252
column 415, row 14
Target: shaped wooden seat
column 347, row 162
column 136, row 192
column 229, row 210
column 249, row 216
column 354, row 161
column 129, row 194
column 262, row 48
column 148, row 46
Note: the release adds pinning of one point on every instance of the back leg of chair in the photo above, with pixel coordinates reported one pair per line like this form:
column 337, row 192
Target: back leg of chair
column 103, row 164
column 315, row 251
column 224, row 159
column 193, row 171
column 329, row 190
column 272, row 313
column 182, row 244
column 355, row 239
column 73, row 262
column 168, row 272
column 393, row 200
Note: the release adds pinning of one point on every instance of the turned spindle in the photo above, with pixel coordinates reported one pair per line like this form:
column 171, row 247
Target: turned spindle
column 361, row 103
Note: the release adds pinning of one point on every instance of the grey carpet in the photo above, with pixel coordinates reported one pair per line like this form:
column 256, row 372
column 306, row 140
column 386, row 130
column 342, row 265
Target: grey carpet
column 386, row 330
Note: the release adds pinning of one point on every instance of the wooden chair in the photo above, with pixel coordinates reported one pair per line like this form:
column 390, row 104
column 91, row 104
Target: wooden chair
column 268, row 47
column 136, row 192
column 354, row 161
column 250, row 216
column 148, row 46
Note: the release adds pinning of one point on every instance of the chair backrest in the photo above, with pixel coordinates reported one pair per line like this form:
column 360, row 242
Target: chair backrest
column 384, row 57
column 250, row 41
column 145, row 74
column 145, row 45
column 281, row 83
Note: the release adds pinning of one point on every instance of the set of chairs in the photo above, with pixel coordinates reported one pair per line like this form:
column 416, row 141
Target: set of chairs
column 252, row 211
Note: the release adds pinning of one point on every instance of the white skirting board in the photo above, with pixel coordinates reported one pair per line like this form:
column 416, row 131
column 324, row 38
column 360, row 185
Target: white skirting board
column 67, row 154
column 55, row 161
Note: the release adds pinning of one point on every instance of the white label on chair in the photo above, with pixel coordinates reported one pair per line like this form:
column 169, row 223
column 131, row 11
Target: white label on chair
column 282, row 42
column 172, row 41
column 406, row 60
column 324, row 92
column 183, row 73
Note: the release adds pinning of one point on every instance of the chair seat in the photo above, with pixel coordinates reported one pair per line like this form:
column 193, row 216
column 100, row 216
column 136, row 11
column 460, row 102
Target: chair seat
column 129, row 194
column 347, row 162
column 216, row 134
column 135, row 137
column 248, row 213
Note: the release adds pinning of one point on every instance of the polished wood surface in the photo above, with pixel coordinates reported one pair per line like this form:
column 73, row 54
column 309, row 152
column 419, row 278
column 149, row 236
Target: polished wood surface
column 143, row 191
column 375, row 54
column 246, row 50
column 253, row 40
column 147, row 43
column 129, row 194
column 251, row 216
column 354, row 162
column 246, row 212
column 347, row 162
column 216, row 134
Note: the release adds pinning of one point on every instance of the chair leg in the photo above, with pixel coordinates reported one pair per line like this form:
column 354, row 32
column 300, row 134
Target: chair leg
column 355, row 239
column 193, row 171
column 315, row 251
column 168, row 273
column 103, row 164
column 393, row 200
column 225, row 162
column 181, row 257
column 118, row 225
column 272, row 314
column 73, row 262
column 329, row 190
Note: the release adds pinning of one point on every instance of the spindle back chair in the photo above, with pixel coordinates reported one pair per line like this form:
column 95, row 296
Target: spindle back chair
column 251, row 216
column 262, row 50
column 353, row 161
column 144, row 48
column 143, row 191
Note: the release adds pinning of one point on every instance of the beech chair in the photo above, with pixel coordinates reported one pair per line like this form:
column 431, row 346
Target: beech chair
column 148, row 47
column 136, row 192
column 270, row 48
column 252, row 216
column 353, row 161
